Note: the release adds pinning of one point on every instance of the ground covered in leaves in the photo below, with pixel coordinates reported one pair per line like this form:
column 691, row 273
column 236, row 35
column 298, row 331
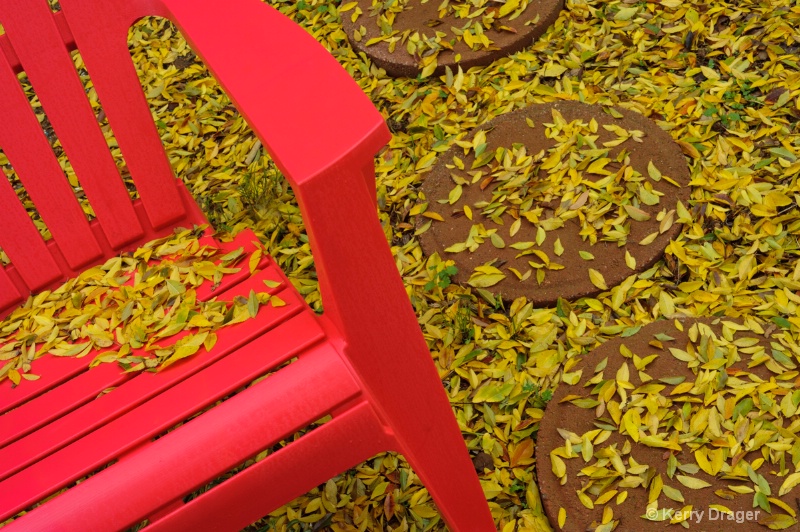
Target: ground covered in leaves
column 721, row 77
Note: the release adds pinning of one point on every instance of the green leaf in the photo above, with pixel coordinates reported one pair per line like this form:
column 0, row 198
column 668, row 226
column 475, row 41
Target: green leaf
column 742, row 408
column 252, row 304
column 175, row 287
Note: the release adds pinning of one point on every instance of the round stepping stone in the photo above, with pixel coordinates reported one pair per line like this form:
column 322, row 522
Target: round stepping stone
column 533, row 198
column 627, row 474
column 511, row 31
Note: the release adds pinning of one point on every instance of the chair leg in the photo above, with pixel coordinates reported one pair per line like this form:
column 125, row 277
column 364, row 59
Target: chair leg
column 432, row 443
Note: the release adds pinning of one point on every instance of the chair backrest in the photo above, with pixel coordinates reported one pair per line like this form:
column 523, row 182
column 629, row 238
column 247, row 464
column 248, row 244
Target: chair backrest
column 38, row 41
column 322, row 120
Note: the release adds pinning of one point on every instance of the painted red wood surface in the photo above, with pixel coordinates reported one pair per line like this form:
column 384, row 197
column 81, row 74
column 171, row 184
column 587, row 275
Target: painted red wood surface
column 364, row 361
column 29, row 152
column 38, row 408
column 21, row 289
column 55, row 370
column 107, row 59
column 35, row 37
column 10, row 295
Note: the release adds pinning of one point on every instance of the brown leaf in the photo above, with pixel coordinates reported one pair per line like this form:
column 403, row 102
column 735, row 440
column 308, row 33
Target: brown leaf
column 774, row 94
column 522, row 453
column 483, row 461
column 389, row 502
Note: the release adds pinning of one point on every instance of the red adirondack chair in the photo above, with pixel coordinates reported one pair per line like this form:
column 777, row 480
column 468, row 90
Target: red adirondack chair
column 363, row 361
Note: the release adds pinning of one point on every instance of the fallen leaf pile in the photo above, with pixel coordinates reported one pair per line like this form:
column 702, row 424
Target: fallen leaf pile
column 128, row 310
column 721, row 77
column 574, row 180
column 724, row 402
column 475, row 18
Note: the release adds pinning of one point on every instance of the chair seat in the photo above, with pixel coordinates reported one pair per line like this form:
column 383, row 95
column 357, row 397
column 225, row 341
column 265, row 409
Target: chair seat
column 75, row 420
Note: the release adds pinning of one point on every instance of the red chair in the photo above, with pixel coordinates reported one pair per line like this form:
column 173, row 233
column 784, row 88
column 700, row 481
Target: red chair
column 363, row 361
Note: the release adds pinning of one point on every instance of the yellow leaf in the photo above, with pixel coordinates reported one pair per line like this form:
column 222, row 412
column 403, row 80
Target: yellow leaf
column 433, row 215
column 682, row 515
column 425, row 511
column 521, row 454
column 482, row 280
column 181, row 352
column 455, row 194
column 778, row 521
column 691, row 482
column 585, row 500
column 558, row 249
column 689, row 150
column 210, row 341
column 508, row 7
column 255, row 259
column 702, row 461
column 558, row 466
column 469, row 39
column 648, row 239
column 653, row 441
column 630, row 260
column 789, row 483
column 597, row 166
column 637, row 214
column 429, row 68
column 655, row 488
column 553, row 70
column 597, row 279
column 626, row 13
column 655, row 173
column 631, row 426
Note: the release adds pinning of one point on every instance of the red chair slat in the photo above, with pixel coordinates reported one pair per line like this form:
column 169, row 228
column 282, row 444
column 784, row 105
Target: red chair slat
column 9, row 295
column 327, row 384
column 11, row 55
column 281, row 342
column 53, row 370
column 57, row 402
column 36, row 39
column 84, row 387
column 22, row 242
column 108, row 61
column 223, row 507
column 25, row 145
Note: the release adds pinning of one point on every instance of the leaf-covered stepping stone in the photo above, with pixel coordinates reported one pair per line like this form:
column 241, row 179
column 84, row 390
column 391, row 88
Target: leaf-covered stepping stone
column 692, row 422
column 409, row 37
column 555, row 200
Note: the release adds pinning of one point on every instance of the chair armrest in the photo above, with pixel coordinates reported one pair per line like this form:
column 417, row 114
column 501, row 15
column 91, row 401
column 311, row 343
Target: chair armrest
column 321, row 130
